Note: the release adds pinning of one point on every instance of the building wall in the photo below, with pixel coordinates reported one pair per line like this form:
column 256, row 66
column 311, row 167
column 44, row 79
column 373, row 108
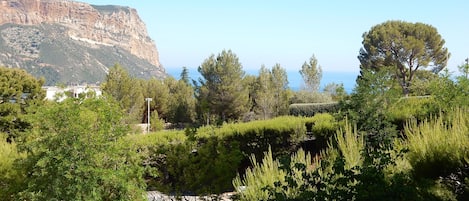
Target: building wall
column 59, row 93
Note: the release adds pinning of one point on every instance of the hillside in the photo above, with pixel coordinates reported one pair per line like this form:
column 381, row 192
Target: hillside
column 72, row 42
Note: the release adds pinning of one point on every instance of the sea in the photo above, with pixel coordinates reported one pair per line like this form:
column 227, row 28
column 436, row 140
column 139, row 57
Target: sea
column 295, row 81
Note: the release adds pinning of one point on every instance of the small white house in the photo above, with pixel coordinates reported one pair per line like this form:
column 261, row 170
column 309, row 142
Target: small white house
column 60, row 93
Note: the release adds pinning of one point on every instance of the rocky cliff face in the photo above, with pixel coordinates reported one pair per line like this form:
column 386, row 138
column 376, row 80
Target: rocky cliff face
column 40, row 24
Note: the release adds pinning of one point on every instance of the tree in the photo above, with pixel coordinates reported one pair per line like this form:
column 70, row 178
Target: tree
column 221, row 91
column 127, row 91
column 369, row 102
column 464, row 69
column 312, row 73
column 18, row 91
column 272, row 95
column 11, row 176
column 337, row 91
column 264, row 98
column 407, row 47
column 181, row 104
column 185, row 76
column 281, row 91
column 74, row 153
column 159, row 92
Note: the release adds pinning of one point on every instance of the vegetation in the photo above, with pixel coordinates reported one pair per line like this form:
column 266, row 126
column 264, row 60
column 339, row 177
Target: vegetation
column 312, row 73
column 429, row 164
column 206, row 160
column 271, row 92
column 72, row 154
column 397, row 136
column 221, row 93
column 311, row 109
column 18, row 92
column 405, row 47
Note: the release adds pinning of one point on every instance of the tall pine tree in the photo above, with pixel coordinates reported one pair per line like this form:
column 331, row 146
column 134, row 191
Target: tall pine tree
column 221, row 93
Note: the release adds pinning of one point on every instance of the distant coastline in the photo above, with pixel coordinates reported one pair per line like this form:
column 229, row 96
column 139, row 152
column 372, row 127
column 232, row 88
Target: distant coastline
column 294, row 77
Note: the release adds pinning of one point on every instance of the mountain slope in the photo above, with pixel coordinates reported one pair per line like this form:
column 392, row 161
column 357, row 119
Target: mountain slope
column 72, row 42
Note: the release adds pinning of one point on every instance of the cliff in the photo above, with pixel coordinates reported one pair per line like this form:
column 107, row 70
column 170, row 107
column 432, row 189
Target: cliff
column 30, row 29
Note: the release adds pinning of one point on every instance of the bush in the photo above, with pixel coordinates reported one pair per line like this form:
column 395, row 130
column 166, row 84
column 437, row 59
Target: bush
column 268, row 173
column 416, row 107
column 346, row 171
column 304, row 96
column 153, row 150
column 437, row 148
column 205, row 160
column 311, row 109
column 11, row 176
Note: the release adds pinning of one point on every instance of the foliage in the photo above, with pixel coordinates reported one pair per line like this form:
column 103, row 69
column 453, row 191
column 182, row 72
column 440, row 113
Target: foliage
column 181, row 103
column 264, row 101
column 158, row 91
column 448, row 93
column 175, row 164
column 312, row 74
column 405, row 46
column 416, row 108
column 438, row 155
column 430, row 163
column 205, row 160
column 346, row 171
column 11, row 176
column 221, row 92
column 73, row 154
column 304, row 96
column 18, row 91
column 336, row 91
column 157, row 124
column 368, row 105
column 436, row 147
column 422, row 83
column 127, row 91
column 281, row 93
column 184, row 77
column 464, row 69
column 268, row 173
column 271, row 93
column 311, row 109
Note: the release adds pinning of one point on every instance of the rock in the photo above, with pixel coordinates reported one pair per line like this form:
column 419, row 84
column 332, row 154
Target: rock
column 112, row 28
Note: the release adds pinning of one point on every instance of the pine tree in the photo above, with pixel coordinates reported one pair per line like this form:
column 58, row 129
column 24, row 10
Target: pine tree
column 312, row 73
column 221, row 91
column 127, row 91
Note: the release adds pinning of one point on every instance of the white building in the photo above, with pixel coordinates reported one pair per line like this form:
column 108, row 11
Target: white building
column 60, row 93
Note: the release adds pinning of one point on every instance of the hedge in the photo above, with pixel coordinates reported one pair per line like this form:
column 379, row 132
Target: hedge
column 311, row 109
column 205, row 160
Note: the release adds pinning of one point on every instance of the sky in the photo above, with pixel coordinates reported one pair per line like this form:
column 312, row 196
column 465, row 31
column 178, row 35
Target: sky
column 261, row 32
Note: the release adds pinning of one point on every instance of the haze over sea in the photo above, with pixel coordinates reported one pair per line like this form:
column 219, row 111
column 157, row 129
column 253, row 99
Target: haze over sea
column 294, row 78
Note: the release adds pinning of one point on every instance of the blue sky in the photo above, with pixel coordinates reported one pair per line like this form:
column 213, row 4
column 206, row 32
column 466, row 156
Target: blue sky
column 288, row 32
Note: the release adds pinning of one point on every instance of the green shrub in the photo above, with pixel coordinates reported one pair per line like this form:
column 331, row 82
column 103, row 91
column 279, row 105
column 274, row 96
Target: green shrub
column 311, row 109
column 407, row 108
column 10, row 175
column 324, row 124
column 153, row 149
column 436, row 147
column 267, row 173
column 304, row 96
column 205, row 160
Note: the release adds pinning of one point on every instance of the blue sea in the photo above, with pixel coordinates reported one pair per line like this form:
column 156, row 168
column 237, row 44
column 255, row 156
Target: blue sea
column 294, row 77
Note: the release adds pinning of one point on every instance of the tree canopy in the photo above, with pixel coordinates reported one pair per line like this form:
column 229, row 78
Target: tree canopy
column 312, row 73
column 407, row 47
column 126, row 90
column 73, row 153
column 221, row 91
column 18, row 91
